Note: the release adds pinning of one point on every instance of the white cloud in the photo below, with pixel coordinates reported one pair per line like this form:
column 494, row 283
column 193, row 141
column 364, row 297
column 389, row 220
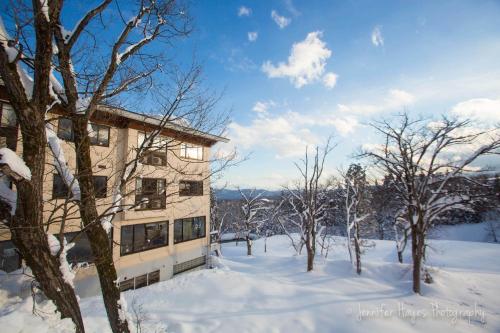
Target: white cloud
column 395, row 100
column 330, row 80
column 344, row 125
column 281, row 21
column 244, row 11
column 482, row 109
column 253, row 35
column 276, row 133
column 287, row 134
column 306, row 62
column 377, row 38
column 262, row 107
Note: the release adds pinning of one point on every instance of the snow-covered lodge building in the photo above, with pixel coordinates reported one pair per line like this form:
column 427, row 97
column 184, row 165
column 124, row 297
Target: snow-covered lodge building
column 167, row 230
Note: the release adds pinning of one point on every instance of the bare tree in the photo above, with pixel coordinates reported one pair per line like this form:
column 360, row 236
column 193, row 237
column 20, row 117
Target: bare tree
column 78, row 84
column 253, row 205
column 355, row 195
column 27, row 80
column 424, row 156
column 384, row 204
column 270, row 225
column 402, row 230
column 307, row 203
column 218, row 217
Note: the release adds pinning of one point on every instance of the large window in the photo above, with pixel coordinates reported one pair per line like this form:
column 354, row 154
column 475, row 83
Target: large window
column 191, row 151
column 157, row 152
column 150, row 193
column 190, row 188
column 98, row 134
column 60, row 189
column 143, row 237
column 189, row 229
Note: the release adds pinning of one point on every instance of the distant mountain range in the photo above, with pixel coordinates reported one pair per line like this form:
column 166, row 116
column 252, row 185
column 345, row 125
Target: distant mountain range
column 227, row 194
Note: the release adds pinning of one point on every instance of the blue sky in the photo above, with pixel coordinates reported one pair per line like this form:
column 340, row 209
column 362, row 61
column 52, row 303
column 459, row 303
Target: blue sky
column 295, row 72
column 427, row 57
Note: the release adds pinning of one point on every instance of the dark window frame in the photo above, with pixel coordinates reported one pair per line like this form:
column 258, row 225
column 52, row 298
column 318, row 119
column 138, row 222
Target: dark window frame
column 134, row 251
column 185, row 220
column 66, row 191
column 94, row 142
column 139, row 196
column 64, row 188
column 195, row 188
column 101, row 193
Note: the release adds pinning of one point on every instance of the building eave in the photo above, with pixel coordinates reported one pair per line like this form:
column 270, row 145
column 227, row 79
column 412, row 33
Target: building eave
column 144, row 118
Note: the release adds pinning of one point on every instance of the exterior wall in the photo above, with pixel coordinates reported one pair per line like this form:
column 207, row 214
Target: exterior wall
column 107, row 162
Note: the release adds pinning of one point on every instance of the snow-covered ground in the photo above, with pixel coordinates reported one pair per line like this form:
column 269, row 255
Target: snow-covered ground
column 271, row 292
column 471, row 232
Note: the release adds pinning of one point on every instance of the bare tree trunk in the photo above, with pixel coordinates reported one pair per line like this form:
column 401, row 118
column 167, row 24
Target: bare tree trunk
column 98, row 237
column 416, row 252
column 381, row 231
column 310, row 249
column 400, row 256
column 28, row 233
column 357, row 248
column 249, row 245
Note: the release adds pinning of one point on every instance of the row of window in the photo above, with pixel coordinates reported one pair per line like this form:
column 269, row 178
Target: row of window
column 150, row 193
column 142, row 237
column 156, row 155
column 99, row 136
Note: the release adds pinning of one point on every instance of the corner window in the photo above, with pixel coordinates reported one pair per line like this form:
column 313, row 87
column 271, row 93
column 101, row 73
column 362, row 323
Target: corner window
column 143, row 237
column 60, row 189
column 188, row 229
column 190, row 188
column 150, row 193
column 191, row 151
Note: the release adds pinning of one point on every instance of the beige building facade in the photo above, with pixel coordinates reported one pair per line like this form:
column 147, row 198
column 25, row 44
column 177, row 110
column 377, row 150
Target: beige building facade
column 164, row 223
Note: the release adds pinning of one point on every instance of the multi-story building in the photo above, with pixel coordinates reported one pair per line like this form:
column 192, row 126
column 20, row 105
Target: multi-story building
column 166, row 230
